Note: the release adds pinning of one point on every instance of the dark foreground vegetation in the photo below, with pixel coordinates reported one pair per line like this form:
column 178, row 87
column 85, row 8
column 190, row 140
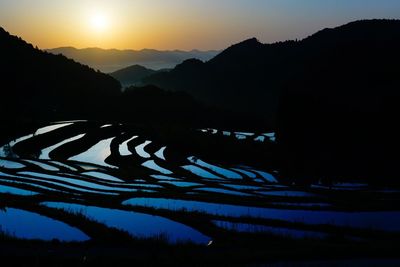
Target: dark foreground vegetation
column 254, row 253
column 229, row 248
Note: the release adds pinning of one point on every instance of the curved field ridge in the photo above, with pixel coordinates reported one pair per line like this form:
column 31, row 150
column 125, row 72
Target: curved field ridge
column 124, row 177
column 137, row 224
column 33, row 226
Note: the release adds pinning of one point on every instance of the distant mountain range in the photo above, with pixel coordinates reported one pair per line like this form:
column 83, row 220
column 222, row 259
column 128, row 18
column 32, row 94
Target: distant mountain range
column 111, row 60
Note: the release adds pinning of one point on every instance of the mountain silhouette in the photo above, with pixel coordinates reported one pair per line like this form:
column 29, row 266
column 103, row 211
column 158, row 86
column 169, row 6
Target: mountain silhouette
column 250, row 77
column 37, row 83
column 37, row 86
column 246, row 77
column 332, row 97
column 338, row 113
column 111, row 60
column 133, row 75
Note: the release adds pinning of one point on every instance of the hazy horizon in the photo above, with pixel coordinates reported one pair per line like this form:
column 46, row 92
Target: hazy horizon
column 129, row 49
column 179, row 25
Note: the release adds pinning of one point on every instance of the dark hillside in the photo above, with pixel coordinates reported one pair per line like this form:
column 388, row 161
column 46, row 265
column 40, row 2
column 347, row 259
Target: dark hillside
column 37, row 83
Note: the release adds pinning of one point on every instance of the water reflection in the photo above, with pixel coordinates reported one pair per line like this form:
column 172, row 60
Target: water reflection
column 221, row 191
column 123, row 148
column 64, row 165
column 181, row 184
column 137, row 224
column 77, row 182
column 256, row 228
column 267, row 176
column 369, row 220
column 160, row 153
column 151, row 164
column 221, row 171
column 45, row 152
column 164, row 177
column 43, row 165
column 33, row 226
column 10, row 164
column 15, row 191
column 52, row 128
column 287, row 193
column 97, row 154
column 140, row 150
column 247, row 173
column 242, row 187
column 200, row 171
column 103, row 176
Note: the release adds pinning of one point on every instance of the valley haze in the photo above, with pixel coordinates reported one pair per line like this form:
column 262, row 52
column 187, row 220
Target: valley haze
column 110, row 60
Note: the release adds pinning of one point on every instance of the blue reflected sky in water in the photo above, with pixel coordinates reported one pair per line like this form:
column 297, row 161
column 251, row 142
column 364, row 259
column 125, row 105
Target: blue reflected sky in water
column 123, row 148
column 254, row 228
column 221, row 191
column 151, row 164
column 74, row 181
column 287, row 193
column 181, row 184
column 221, row 171
column 15, row 191
column 97, row 154
column 137, row 224
column 28, row 225
column 199, row 171
column 383, row 220
column 32, row 181
column 160, row 153
column 247, row 173
column 44, row 154
column 140, row 150
column 4, row 163
column 103, row 176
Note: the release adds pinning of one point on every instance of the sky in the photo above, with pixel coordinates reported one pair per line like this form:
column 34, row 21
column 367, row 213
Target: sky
column 179, row 24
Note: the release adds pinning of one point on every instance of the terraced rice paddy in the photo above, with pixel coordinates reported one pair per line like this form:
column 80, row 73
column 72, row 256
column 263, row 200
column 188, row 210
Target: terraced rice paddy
column 121, row 178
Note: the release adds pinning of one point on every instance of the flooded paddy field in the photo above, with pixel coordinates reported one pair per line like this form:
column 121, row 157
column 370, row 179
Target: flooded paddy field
column 204, row 189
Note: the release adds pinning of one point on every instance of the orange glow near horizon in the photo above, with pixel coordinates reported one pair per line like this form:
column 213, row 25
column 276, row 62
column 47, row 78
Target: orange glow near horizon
column 178, row 24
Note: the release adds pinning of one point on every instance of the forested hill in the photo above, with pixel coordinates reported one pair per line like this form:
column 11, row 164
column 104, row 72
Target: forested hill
column 251, row 76
column 338, row 115
column 37, row 86
column 37, row 82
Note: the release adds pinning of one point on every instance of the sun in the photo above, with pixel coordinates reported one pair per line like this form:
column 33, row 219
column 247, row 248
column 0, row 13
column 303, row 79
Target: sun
column 99, row 21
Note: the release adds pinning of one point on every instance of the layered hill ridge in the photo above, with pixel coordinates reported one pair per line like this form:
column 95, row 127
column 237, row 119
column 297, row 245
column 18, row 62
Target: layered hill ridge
column 132, row 74
column 111, row 60
column 333, row 98
column 251, row 76
column 34, row 81
column 338, row 113
column 37, row 86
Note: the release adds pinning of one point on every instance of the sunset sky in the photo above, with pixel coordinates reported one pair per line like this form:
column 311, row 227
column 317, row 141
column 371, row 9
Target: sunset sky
column 179, row 24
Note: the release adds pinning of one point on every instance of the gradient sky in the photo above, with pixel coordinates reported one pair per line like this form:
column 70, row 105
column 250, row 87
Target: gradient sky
column 179, row 24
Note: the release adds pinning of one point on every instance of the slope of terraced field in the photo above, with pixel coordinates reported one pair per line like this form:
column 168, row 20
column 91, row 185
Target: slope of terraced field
column 80, row 181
